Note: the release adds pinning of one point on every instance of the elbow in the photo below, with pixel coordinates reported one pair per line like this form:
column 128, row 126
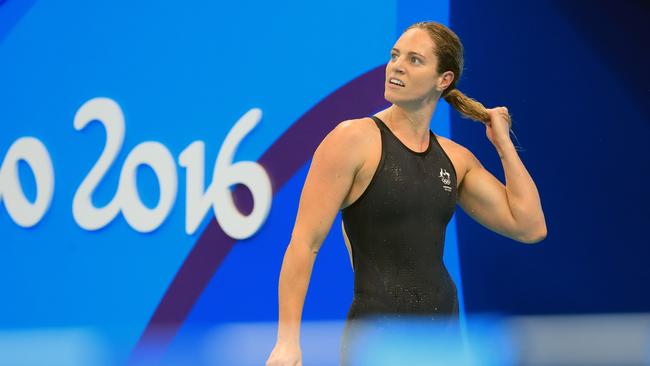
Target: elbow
column 309, row 244
column 534, row 236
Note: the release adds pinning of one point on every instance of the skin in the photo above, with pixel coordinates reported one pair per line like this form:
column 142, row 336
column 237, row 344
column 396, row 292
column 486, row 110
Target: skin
column 338, row 176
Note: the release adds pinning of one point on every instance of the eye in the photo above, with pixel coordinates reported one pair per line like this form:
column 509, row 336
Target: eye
column 415, row 60
column 393, row 56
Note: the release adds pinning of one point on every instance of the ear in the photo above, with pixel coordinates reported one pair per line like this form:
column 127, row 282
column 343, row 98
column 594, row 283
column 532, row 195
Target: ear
column 445, row 80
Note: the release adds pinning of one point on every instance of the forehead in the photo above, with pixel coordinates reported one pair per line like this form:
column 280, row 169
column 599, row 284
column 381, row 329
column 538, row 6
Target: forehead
column 416, row 40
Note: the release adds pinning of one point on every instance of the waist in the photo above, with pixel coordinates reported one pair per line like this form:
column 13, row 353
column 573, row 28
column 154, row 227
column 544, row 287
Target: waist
column 406, row 298
column 441, row 307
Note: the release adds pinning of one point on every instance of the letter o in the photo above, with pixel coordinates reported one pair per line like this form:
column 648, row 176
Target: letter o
column 156, row 156
column 20, row 209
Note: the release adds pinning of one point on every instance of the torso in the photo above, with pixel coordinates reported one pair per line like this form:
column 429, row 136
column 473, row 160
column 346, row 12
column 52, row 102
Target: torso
column 372, row 154
column 401, row 202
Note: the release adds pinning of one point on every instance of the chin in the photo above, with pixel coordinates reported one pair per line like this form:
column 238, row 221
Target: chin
column 391, row 98
column 404, row 102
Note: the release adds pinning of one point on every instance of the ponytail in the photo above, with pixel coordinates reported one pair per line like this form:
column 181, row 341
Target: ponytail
column 466, row 106
column 449, row 51
column 472, row 109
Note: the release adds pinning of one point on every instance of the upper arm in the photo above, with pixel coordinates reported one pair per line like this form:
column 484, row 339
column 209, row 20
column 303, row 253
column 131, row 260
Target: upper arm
column 484, row 198
column 331, row 173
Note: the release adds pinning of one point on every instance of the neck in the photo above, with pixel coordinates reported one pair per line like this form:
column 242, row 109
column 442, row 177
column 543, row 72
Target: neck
column 411, row 122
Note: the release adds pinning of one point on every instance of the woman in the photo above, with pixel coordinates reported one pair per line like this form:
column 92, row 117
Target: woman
column 397, row 184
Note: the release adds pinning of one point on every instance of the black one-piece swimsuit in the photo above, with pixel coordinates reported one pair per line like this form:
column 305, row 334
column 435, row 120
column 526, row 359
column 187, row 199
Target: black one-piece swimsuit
column 396, row 230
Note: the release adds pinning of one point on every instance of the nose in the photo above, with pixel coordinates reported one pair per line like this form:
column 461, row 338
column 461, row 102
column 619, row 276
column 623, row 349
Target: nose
column 397, row 66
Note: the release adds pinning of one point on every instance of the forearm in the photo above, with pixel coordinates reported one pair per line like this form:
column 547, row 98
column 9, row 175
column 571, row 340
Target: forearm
column 294, row 280
column 523, row 197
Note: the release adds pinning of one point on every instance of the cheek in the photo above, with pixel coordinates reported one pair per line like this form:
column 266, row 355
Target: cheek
column 424, row 83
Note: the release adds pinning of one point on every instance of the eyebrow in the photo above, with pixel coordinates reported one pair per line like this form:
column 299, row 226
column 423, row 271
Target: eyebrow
column 410, row 53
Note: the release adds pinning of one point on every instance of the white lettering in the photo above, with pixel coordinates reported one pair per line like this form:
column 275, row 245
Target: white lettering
column 109, row 114
column 126, row 200
column 156, row 156
column 226, row 174
column 33, row 152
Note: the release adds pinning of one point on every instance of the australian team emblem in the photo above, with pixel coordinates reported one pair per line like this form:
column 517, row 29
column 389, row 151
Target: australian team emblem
column 446, row 179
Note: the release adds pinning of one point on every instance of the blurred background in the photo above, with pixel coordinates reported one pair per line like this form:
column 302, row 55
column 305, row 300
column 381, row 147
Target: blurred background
column 153, row 153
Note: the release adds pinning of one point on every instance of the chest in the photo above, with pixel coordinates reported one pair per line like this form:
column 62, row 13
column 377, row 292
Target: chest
column 444, row 171
column 405, row 183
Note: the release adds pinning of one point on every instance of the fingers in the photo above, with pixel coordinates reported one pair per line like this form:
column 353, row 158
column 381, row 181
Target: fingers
column 503, row 112
column 499, row 109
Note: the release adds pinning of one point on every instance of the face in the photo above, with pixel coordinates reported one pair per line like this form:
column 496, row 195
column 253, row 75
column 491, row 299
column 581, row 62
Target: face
column 414, row 65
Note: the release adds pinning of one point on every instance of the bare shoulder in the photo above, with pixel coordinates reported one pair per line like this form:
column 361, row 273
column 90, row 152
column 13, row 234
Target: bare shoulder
column 348, row 142
column 355, row 136
column 462, row 158
column 356, row 130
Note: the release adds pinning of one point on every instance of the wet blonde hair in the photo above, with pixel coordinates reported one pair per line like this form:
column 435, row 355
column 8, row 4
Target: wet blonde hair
column 449, row 51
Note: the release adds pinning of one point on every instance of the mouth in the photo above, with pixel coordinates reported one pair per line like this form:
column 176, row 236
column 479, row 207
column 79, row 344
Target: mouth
column 396, row 82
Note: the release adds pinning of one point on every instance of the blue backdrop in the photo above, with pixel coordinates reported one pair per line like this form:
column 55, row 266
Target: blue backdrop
column 572, row 75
